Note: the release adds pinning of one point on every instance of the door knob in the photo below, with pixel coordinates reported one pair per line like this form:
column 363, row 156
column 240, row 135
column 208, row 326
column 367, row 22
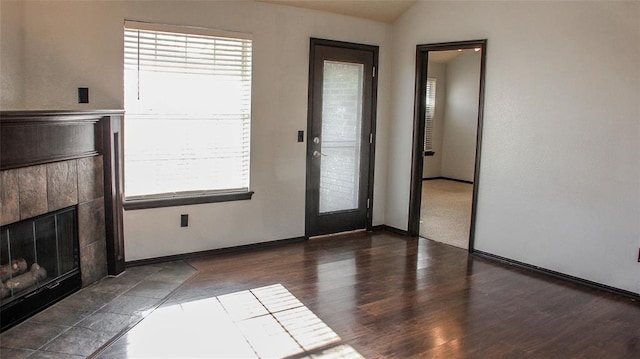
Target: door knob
column 317, row 154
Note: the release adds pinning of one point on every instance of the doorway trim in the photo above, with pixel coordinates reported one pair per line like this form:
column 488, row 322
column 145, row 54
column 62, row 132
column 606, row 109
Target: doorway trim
column 417, row 161
column 313, row 43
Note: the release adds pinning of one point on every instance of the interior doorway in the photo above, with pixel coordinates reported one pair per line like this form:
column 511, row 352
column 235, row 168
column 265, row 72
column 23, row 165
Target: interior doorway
column 447, row 139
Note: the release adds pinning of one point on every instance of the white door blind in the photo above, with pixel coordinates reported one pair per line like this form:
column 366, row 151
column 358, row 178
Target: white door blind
column 188, row 112
column 429, row 113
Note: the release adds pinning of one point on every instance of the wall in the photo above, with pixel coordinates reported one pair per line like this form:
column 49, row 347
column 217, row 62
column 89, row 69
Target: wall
column 461, row 116
column 559, row 181
column 11, row 54
column 560, row 176
column 432, row 164
column 79, row 44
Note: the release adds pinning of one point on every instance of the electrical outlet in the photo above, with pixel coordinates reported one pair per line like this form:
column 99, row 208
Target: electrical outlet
column 184, row 220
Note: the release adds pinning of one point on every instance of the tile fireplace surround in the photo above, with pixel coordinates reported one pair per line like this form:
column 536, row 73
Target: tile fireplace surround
column 54, row 160
column 31, row 191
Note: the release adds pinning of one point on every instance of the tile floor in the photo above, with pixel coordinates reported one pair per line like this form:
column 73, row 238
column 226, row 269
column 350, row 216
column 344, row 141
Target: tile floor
column 82, row 323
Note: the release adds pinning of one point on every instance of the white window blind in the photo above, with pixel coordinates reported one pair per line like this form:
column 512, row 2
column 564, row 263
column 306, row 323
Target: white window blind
column 429, row 113
column 188, row 111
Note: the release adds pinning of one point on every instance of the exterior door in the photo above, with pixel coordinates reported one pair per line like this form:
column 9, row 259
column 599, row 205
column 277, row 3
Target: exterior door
column 340, row 137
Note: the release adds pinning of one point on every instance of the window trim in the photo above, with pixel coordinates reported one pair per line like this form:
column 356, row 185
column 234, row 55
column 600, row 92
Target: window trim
column 158, row 202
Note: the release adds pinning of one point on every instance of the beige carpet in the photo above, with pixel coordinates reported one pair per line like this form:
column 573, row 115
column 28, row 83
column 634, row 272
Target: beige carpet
column 445, row 213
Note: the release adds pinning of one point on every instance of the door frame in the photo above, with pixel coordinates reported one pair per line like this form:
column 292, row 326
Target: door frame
column 417, row 159
column 374, row 105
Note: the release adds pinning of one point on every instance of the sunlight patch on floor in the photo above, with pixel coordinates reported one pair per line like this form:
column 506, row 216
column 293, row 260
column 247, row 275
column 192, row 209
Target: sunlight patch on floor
column 265, row 322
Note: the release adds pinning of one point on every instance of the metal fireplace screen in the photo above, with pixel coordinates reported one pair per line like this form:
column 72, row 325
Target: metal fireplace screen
column 36, row 254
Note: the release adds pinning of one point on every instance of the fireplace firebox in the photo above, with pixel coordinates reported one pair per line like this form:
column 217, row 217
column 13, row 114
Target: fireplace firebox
column 39, row 264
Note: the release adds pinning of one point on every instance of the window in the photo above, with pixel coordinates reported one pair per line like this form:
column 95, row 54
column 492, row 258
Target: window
column 429, row 113
column 188, row 114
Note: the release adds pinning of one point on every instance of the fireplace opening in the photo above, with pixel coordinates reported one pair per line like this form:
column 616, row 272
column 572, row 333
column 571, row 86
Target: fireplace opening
column 39, row 264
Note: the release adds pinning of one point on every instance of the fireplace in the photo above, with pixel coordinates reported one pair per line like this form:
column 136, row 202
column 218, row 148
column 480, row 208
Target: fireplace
column 60, row 206
column 39, row 263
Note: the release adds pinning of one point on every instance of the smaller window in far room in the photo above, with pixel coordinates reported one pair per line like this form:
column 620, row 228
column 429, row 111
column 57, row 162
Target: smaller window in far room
column 429, row 113
column 187, row 114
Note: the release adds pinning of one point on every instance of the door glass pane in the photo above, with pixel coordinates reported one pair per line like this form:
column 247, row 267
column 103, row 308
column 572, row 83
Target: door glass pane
column 341, row 134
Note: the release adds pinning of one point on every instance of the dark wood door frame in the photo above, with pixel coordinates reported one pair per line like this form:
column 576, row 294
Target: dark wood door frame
column 417, row 161
column 373, row 110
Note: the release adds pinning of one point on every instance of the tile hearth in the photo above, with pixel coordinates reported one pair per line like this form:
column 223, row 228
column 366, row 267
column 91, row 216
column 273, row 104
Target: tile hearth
column 88, row 319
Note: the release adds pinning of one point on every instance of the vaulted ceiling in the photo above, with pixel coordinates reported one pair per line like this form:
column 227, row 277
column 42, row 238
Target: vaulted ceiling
column 378, row 10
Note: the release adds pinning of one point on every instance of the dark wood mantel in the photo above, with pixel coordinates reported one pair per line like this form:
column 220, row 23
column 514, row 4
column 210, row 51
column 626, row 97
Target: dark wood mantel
column 36, row 137
column 29, row 138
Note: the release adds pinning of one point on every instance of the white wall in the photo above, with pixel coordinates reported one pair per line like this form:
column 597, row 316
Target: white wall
column 79, row 44
column 69, row 45
column 432, row 164
column 461, row 116
column 11, row 54
column 560, row 175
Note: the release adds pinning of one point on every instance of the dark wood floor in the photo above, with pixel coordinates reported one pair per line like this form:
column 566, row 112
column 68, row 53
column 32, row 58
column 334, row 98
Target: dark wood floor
column 392, row 296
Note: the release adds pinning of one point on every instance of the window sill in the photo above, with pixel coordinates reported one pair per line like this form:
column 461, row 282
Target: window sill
column 429, row 153
column 130, row 205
